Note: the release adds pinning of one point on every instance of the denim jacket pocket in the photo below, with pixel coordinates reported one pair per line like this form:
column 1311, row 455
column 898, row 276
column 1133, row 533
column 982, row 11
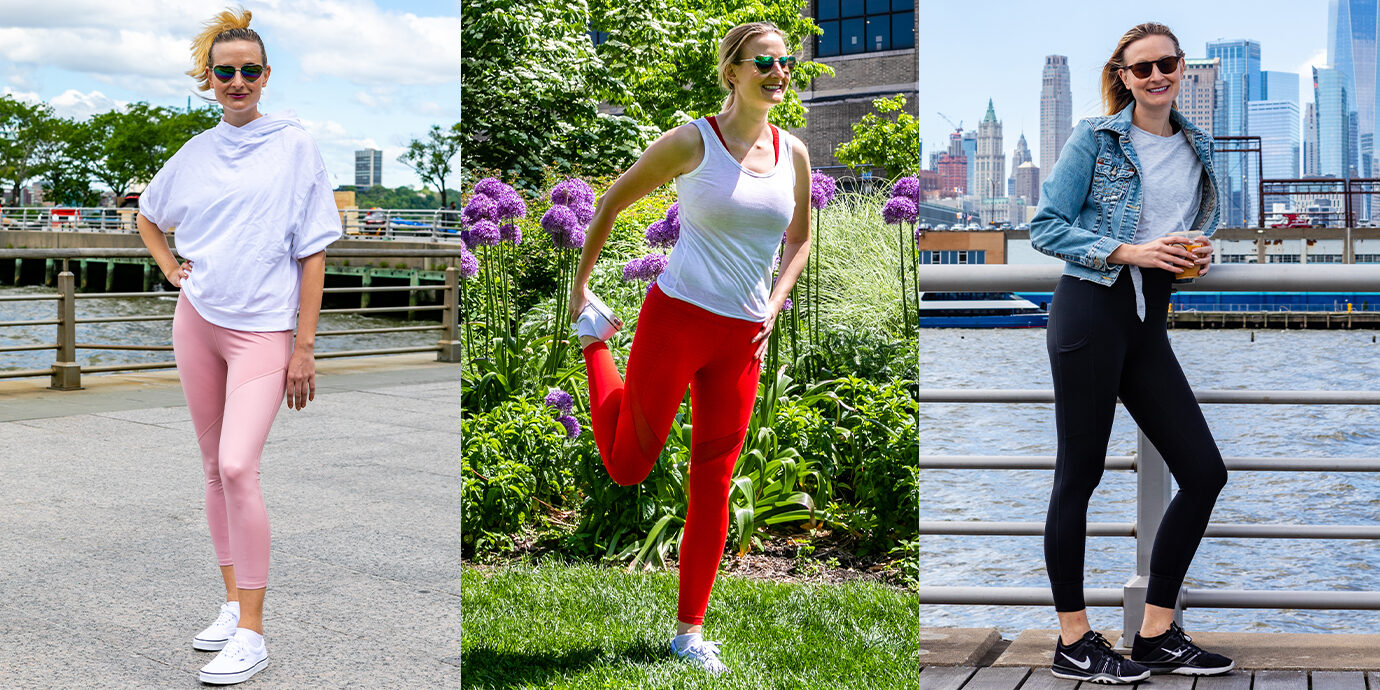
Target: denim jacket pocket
column 1110, row 182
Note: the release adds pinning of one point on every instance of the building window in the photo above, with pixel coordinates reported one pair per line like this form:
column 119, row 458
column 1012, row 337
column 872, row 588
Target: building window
column 864, row 26
column 953, row 257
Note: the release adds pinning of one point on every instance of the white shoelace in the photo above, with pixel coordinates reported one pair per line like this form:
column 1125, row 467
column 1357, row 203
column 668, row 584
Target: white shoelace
column 703, row 652
column 226, row 617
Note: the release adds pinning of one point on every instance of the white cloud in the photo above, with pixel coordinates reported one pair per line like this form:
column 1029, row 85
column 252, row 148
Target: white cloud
column 77, row 105
column 26, row 96
column 357, row 41
column 366, row 99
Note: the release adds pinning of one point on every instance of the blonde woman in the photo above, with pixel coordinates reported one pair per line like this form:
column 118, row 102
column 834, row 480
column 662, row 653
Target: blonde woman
column 253, row 208
column 741, row 183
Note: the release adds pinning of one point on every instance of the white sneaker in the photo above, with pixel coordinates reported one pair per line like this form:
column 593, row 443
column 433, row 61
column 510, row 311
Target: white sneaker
column 596, row 319
column 699, row 652
column 214, row 637
column 243, row 656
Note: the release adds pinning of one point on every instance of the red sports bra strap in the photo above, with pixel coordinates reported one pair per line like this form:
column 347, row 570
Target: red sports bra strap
column 775, row 138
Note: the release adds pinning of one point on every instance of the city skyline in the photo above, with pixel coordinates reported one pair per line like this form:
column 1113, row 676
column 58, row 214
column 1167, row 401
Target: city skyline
column 1012, row 76
column 335, row 64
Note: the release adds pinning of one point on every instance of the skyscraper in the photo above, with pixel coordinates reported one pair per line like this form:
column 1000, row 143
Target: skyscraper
column 1310, row 140
column 970, row 154
column 1276, row 122
column 1019, row 156
column 1028, row 183
column 368, row 168
column 1278, row 86
column 991, row 162
column 1333, row 122
column 1200, row 93
column 1239, row 73
column 1351, row 39
column 1056, row 111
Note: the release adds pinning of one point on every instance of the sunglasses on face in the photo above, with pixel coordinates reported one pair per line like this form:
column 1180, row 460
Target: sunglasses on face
column 764, row 62
column 250, row 72
column 1166, row 65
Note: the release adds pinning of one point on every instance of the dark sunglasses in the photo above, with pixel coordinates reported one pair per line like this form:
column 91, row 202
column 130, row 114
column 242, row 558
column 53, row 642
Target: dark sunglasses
column 764, row 62
column 249, row 72
column 1166, row 65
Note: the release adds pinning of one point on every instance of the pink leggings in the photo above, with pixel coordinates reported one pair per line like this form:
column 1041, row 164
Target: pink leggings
column 679, row 344
column 234, row 382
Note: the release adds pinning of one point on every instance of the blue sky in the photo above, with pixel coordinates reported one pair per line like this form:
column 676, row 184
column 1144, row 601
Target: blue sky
column 981, row 49
column 357, row 72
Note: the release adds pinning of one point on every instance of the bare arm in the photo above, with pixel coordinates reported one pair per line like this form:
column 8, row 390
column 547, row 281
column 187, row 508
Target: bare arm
column 301, row 382
column 797, row 251
column 157, row 244
column 673, row 153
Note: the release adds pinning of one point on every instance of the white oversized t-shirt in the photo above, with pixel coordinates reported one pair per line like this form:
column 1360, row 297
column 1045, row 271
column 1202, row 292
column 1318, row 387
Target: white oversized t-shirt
column 245, row 204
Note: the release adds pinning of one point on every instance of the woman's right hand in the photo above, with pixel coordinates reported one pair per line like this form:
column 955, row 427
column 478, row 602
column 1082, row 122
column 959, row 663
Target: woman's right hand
column 1166, row 253
column 182, row 273
column 577, row 302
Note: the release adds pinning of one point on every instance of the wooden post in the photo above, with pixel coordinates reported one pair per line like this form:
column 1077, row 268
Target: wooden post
column 66, row 372
column 450, row 319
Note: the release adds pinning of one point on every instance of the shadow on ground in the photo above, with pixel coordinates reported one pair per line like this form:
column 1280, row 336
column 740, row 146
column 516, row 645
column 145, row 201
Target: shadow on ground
column 496, row 669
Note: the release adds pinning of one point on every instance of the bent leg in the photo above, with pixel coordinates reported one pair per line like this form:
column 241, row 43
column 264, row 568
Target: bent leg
column 202, row 373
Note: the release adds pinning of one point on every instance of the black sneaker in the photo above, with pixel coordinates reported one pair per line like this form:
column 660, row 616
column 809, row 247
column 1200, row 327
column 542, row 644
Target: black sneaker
column 1092, row 659
column 1174, row 652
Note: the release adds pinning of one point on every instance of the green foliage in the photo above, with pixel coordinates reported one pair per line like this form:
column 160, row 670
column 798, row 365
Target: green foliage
column 127, row 147
column 28, row 134
column 532, row 80
column 431, row 157
column 884, row 142
column 403, row 197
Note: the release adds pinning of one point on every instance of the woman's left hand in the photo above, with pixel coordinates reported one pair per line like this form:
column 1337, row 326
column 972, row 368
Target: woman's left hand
column 764, row 334
column 1203, row 252
column 301, row 378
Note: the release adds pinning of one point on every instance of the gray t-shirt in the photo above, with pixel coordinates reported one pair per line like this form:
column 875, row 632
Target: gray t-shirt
column 1170, row 179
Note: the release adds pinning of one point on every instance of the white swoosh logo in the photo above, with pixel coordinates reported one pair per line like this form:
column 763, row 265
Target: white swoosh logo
column 1084, row 664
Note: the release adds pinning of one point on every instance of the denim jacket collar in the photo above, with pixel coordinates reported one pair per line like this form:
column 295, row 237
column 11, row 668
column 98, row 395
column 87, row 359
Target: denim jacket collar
column 1121, row 123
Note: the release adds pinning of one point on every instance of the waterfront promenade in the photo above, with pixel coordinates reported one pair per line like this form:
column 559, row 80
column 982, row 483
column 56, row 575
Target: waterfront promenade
column 106, row 567
column 980, row 659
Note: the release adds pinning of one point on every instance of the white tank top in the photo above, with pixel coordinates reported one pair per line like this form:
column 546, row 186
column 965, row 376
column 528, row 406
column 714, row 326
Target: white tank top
column 731, row 223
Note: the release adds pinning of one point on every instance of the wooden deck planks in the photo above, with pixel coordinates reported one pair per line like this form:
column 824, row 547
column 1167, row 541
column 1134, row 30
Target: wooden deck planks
column 1281, row 680
column 997, row 678
column 945, row 677
column 1019, row 678
column 1339, row 680
column 1042, row 679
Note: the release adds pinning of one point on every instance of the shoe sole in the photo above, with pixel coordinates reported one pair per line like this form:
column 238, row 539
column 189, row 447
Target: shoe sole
column 1103, row 678
column 1187, row 671
column 209, row 645
column 233, row 678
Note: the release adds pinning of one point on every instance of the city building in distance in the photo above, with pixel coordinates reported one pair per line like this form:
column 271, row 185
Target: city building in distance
column 1056, row 111
column 368, row 168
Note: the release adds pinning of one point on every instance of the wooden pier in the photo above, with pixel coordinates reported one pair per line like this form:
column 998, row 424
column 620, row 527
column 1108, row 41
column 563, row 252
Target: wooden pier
column 979, row 659
column 1276, row 320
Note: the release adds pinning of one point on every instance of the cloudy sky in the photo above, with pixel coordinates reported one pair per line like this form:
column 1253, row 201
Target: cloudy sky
column 980, row 49
column 359, row 73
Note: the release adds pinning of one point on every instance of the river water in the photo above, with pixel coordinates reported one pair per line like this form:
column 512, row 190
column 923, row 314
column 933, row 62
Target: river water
column 1281, row 360
column 160, row 332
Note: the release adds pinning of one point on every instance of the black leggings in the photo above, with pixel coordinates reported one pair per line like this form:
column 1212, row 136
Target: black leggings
column 1099, row 351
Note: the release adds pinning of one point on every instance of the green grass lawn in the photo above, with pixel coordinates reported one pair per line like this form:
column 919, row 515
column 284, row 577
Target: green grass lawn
column 581, row 626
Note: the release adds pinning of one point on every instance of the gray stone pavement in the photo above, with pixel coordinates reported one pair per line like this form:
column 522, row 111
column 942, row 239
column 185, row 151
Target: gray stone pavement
column 106, row 566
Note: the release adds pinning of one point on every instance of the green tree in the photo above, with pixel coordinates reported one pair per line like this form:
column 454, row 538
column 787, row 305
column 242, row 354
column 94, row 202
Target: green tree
column 66, row 168
column 28, row 135
column 532, row 82
column 883, row 141
column 431, row 157
column 134, row 143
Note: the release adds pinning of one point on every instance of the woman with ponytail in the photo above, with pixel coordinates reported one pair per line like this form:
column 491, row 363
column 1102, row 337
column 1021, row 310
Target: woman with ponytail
column 741, row 183
column 1126, row 193
column 253, row 208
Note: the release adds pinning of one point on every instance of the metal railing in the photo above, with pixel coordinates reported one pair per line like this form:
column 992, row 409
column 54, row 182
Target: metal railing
column 65, row 372
column 402, row 224
column 1153, row 481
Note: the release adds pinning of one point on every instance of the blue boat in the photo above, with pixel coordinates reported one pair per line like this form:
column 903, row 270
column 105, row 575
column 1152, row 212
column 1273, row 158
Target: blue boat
column 979, row 310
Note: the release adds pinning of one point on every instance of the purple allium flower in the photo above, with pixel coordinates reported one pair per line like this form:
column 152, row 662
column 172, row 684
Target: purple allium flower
column 789, row 305
column 573, row 192
column 662, row 234
column 559, row 220
column 510, row 232
column 673, row 215
column 645, row 268
column 908, row 187
column 480, row 207
column 560, row 400
column 899, row 209
column 572, row 426
column 583, row 212
column 511, row 205
column 484, row 233
column 574, row 239
column 469, row 265
column 491, row 187
column 822, row 188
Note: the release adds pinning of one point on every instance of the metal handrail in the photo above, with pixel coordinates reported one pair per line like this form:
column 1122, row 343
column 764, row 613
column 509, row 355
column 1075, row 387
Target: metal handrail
column 430, row 224
column 1153, row 482
column 66, row 372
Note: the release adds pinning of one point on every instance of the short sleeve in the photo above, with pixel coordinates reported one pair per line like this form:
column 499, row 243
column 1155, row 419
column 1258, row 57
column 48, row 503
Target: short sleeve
column 319, row 223
column 153, row 202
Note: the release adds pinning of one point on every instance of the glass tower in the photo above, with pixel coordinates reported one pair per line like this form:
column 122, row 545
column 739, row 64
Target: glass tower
column 1239, row 74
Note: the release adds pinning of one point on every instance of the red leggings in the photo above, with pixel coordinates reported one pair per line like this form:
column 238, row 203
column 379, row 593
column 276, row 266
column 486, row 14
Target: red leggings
column 677, row 344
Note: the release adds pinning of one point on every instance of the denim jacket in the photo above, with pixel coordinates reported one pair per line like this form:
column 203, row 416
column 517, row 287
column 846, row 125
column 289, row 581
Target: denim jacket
column 1090, row 202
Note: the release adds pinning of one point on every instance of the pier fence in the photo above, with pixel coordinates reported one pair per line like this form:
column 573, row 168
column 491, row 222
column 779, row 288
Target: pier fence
column 1153, row 480
column 65, row 372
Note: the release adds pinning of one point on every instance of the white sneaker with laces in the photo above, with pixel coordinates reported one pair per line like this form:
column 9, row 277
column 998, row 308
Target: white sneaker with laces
column 596, row 320
column 698, row 651
column 243, row 656
column 214, row 637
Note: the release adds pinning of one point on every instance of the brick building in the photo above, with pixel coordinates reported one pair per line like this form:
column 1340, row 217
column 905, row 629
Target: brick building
column 870, row 44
